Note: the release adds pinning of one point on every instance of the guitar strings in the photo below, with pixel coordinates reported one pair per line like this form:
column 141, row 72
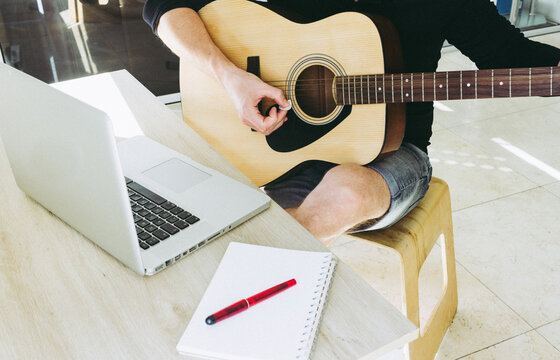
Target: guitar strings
column 381, row 77
column 316, row 80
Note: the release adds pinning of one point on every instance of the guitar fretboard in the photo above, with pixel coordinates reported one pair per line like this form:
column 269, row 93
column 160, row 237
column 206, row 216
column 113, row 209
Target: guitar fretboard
column 451, row 85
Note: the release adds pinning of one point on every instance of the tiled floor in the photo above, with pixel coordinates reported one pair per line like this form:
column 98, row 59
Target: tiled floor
column 501, row 159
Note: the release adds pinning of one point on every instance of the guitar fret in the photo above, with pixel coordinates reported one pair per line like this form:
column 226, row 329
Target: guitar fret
column 529, row 81
column 411, row 87
column 476, row 84
column 349, row 92
column 402, row 88
column 393, row 86
column 343, row 97
column 461, row 83
column 343, row 91
column 441, row 88
column 540, row 82
column 367, row 81
column 521, row 85
column 347, row 101
column 355, row 92
column 376, row 101
column 409, row 91
column 383, row 77
column 499, row 78
column 422, row 87
column 492, row 83
column 509, row 82
column 447, row 84
column 435, row 87
column 362, row 89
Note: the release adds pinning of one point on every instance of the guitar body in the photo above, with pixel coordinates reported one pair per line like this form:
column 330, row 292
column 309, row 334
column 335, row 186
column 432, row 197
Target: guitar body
column 290, row 56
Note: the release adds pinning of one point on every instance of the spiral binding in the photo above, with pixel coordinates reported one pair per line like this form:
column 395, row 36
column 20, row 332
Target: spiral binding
column 309, row 334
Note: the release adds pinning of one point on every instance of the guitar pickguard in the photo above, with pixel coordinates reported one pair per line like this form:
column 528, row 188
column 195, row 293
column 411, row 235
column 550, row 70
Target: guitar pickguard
column 296, row 134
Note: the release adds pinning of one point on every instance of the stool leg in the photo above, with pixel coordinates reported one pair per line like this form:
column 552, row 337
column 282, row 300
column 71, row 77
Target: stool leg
column 431, row 335
column 410, row 296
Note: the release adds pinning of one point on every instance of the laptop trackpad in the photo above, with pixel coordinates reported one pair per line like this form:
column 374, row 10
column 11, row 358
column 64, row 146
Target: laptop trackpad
column 176, row 175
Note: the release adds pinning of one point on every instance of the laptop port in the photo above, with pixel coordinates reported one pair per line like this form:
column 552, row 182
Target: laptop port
column 169, row 262
column 213, row 236
column 185, row 253
column 202, row 243
column 177, row 257
column 159, row 268
column 192, row 249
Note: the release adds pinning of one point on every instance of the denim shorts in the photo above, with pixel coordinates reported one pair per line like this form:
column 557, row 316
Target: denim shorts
column 407, row 172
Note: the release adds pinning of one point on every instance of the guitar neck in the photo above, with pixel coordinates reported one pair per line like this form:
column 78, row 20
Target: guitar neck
column 451, row 85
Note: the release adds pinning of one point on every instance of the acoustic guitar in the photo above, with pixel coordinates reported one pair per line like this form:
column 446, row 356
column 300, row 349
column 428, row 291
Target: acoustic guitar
column 343, row 77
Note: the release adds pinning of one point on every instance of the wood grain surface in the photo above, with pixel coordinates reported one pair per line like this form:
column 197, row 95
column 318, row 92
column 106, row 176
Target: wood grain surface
column 62, row 297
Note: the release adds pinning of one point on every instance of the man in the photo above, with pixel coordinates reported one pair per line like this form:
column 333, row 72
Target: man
column 331, row 199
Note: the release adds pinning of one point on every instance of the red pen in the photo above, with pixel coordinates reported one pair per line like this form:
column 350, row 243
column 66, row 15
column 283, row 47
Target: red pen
column 244, row 304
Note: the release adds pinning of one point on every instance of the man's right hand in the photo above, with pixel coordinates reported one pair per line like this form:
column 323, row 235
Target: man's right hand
column 246, row 91
column 184, row 32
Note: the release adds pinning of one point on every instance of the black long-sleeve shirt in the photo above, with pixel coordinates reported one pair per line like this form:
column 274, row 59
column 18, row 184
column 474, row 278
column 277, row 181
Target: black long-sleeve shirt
column 473, row 26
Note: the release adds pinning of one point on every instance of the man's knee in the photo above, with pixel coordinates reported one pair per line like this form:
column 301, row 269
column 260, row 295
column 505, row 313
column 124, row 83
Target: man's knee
column 357, row 189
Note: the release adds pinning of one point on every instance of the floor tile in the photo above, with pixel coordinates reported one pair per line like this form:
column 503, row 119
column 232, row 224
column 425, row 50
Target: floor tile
column 527, row 139
column 437, row 126
column 481, row 320
column 452, row 59
column 458, row 112
column 551, row 332
column 473, row 175
column 551, row 39
column 554, row 188
column 512, row 245
column 529, row 346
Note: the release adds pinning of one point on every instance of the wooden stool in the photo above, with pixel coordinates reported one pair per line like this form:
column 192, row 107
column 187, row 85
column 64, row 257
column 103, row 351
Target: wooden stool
column 413, row 238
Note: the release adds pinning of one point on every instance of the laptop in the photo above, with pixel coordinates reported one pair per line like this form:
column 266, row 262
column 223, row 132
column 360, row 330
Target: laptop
column 143, row 203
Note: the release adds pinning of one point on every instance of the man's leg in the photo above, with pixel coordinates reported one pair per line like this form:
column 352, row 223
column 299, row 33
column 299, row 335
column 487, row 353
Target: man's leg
column 346, row 196
column 329, row 200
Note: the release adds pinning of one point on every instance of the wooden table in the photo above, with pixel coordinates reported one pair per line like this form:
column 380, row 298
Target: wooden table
column 61, row 296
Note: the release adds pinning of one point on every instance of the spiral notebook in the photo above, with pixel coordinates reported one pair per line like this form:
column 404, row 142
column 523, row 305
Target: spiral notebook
column 282, row 327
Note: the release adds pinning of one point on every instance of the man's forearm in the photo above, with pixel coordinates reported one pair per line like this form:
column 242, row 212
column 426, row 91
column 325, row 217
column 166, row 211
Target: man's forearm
column 184, row 33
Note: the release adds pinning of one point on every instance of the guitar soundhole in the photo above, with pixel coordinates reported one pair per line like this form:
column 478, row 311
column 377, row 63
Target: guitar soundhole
column 314, row 91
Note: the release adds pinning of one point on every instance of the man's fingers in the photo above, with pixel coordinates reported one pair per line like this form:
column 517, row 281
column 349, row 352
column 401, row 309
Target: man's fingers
column 277, row 95
column 270, row 97
column 273, row 121
column 264, row 125
column 282, row 114
column 278, row 124
column 253, row 119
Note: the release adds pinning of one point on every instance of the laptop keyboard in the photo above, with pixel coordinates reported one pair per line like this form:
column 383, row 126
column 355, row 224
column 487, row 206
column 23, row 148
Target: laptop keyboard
column 156, row 218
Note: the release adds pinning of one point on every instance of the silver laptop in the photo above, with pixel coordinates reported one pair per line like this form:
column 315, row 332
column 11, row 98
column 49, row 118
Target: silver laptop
column 140, row 201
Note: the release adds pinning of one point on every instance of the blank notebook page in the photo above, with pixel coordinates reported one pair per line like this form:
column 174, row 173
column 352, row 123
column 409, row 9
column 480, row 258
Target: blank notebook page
column 281, row 327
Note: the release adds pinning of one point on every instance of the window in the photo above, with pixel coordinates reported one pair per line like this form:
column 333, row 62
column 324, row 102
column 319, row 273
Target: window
column 57, row 40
